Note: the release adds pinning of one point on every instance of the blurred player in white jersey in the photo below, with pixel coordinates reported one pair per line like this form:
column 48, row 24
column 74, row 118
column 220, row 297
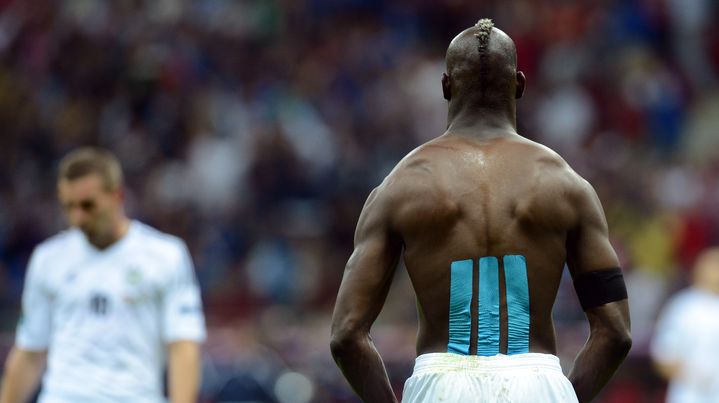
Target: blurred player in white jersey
column 106, row 303
column 686, row 344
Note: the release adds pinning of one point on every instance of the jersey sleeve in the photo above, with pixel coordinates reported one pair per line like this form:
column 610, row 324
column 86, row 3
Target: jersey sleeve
column 182, row 314
column 33, row 331
column 670, row 336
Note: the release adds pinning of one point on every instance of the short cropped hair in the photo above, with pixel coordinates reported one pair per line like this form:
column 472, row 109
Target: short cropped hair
column 92, row 160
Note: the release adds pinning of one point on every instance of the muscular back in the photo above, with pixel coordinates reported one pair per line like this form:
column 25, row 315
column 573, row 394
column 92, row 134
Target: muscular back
column 456, row 205
column 486, row 221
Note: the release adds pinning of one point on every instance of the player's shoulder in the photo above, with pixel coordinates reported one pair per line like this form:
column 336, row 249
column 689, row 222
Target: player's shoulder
column 414, row 175
column 542, row 156
column 687, row 298
column 429, row 157
column 681, row 306
column 550, row 166
column 422, row 167
column 59, row 244
column 416, row 186
column 164, row 254
column 155, row 240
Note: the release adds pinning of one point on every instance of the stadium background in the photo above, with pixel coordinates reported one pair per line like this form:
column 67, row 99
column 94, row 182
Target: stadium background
column 255, row 129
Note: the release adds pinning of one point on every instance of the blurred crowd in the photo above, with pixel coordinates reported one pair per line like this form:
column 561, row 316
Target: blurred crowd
column 254, row 129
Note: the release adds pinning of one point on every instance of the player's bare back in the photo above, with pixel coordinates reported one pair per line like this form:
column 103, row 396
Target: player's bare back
column 473, row 209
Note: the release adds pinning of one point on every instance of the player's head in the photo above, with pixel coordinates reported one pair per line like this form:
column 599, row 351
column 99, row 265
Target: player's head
column 482, row 68
column 706, row 270
column 90, row 192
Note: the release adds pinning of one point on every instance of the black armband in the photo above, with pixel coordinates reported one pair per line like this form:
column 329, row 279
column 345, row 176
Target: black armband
column 600, row 287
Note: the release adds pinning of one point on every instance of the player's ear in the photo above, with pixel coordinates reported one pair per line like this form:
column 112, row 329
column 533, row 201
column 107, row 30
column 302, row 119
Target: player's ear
column 446, row 87
column 521, row 83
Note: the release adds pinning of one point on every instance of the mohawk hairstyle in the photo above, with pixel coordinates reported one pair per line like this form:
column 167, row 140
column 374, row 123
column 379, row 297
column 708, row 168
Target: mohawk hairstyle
column 484, row 26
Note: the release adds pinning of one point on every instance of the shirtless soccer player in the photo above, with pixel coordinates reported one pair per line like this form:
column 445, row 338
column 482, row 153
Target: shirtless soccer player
column 486, row 220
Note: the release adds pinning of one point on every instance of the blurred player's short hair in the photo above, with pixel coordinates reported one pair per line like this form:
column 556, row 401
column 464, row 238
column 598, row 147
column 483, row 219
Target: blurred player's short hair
column 92, row 160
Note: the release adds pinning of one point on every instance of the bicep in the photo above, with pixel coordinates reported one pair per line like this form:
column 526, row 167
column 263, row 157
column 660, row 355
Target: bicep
column 369, row 271
column 594, row 265
column 588, row 246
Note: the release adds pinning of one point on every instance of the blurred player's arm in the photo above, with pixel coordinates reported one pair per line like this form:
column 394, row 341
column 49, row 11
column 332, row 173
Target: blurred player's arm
column 600, row 287
column 183, row 371
column 26, row 361
column 362, row 294
column 668, row 370
column 23, row 369
column 184, row 329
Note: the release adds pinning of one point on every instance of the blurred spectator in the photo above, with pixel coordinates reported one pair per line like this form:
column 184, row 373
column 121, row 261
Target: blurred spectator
column 686, row 343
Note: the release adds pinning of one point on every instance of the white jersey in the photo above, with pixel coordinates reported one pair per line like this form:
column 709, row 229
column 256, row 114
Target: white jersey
column 687, row 333
column 105, row 316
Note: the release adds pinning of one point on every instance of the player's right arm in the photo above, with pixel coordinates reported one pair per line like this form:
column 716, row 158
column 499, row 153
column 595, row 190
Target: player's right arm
column 23, row 369
column 26, row 362
column 362, row 294
column 594, row 267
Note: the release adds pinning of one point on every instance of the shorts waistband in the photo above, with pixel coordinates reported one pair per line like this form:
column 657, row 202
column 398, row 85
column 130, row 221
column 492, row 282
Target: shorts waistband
column 443, row 362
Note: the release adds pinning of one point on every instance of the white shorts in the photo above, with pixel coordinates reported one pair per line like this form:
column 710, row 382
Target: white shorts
column 520, row 378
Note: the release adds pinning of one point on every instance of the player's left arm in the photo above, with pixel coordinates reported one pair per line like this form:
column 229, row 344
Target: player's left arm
column 362, row 294
column 600, row 287
column 184, row 330
column 183, row 371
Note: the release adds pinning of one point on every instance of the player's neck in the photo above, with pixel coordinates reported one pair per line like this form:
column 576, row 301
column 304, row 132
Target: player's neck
column 120, row 228
column 480, row 121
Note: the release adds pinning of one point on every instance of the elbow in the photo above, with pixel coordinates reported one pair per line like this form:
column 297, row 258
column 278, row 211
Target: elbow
column 337, row 347
column 622, row 342
column 617, row 341
column 344, row 340
column 611, row 326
